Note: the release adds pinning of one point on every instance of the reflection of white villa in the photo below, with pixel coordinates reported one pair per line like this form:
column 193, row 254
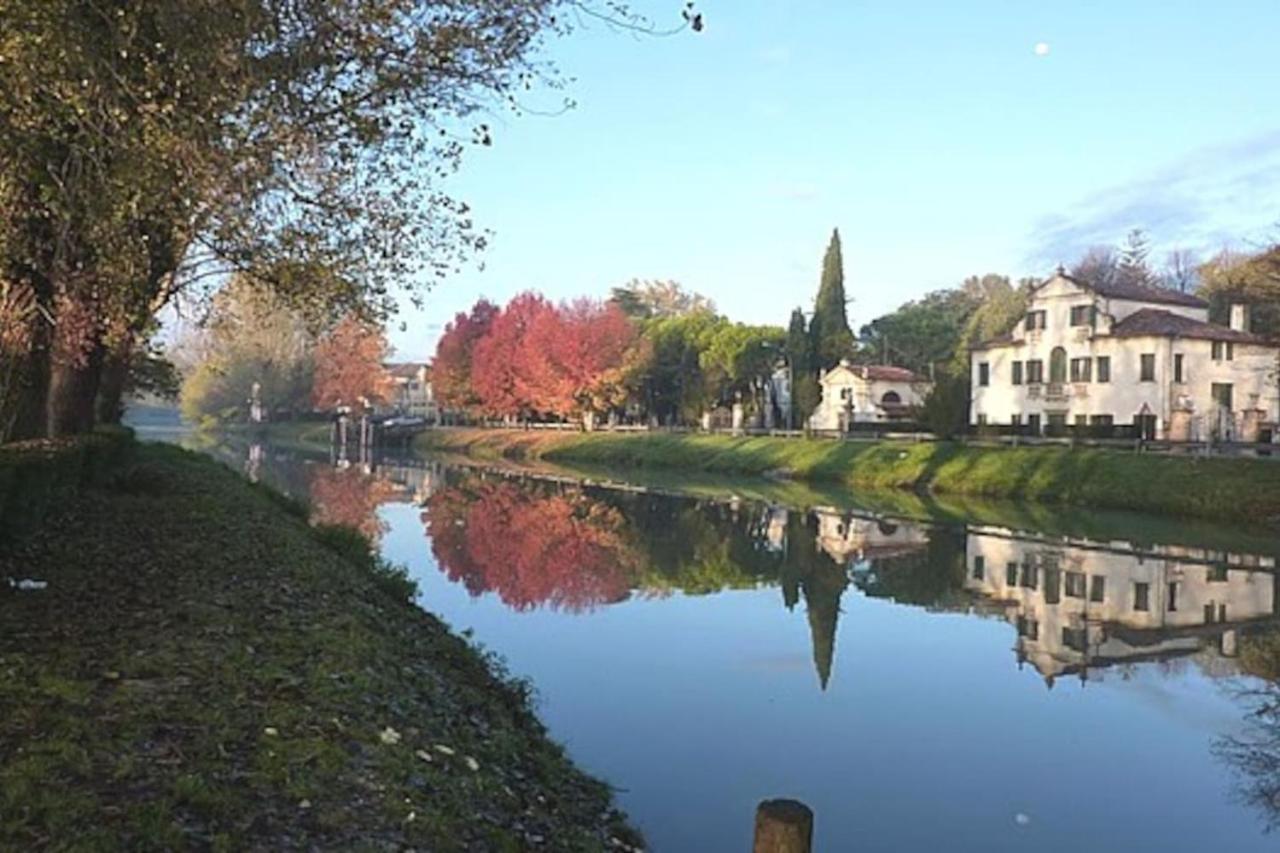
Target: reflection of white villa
column 866, row 393
column 1086, row 606
column 851, row 539
column 775, row 536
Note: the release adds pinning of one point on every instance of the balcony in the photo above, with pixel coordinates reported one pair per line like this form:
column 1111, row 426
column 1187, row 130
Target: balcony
column 1055, row 391
column 1034, row 390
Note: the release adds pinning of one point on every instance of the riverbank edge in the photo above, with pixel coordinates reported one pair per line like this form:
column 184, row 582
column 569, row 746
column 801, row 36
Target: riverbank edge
column 190, row 663
column 1239, row 490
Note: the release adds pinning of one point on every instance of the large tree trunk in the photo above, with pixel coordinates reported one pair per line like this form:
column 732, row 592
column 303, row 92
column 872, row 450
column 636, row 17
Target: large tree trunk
column 115, row 373
column 73, row 389
column 33, row 390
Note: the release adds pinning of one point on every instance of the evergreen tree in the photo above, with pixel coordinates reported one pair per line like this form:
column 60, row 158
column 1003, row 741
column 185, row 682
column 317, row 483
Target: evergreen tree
column 1133, row 267
column 804, row 387
column 830, row 333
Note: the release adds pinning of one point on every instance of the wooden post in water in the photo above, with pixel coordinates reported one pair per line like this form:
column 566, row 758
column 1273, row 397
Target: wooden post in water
column 783, row 826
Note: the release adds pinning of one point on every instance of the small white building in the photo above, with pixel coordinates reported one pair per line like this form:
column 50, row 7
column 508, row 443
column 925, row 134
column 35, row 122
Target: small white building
column 1122, row 354
column 411, row 392
column 867, row 393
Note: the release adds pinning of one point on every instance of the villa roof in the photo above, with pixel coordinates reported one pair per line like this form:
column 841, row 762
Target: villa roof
column 1160, row 323
column 877, row 372
column 404, row 369
column 1138, row 292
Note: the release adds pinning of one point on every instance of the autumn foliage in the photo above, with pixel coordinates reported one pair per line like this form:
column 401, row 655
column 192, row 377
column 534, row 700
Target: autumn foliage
column 349, row 366
column 536, row 358
column 564, row 550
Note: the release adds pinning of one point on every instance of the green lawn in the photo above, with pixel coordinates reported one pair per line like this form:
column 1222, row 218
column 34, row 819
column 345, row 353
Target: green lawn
column 1246, row 490
column 205, row 670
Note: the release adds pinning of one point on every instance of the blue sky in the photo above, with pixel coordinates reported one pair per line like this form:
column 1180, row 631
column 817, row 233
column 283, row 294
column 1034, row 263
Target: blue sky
column 930, row 133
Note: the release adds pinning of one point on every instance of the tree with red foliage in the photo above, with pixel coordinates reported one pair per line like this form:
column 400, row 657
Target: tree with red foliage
column 564, row 550
column 504, row 368
column 578, row 354
column 350, row 498
column 451, row 370
column 349, row 366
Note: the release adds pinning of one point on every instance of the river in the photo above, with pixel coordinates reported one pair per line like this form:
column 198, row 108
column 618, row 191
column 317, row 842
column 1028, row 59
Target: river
column 1014, row 679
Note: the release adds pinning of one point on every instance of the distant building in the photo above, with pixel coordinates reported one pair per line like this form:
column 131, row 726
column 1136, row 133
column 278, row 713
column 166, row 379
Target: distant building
column 411, row 393
column 867, row 393
column 1128, row 355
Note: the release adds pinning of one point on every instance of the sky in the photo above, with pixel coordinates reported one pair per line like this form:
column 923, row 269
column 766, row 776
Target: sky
column 944, row 139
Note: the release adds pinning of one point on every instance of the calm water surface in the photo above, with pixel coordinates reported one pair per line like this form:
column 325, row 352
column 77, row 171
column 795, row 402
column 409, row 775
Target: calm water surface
column 920, row 686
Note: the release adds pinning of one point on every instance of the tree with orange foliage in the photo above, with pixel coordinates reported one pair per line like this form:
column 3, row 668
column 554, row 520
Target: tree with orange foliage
column 578, row 354
column 349, row 366
column 505, row 369
column 451, row 370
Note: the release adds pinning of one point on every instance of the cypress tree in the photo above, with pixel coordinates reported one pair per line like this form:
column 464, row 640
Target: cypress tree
column 830, row 334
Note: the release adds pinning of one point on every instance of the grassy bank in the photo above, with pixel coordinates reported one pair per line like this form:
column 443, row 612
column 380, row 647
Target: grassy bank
column 206, row 670
column 1239, row 490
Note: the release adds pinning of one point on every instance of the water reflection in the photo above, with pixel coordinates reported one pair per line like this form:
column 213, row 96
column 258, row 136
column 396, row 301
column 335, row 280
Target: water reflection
column 1082, row 610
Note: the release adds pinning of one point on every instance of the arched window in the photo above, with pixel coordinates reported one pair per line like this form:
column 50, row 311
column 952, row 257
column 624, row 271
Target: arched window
column 1058, row 365
column 890, row 397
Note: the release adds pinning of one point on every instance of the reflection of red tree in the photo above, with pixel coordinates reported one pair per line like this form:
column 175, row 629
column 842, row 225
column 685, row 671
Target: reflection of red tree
column 563, row 550
column 349, row 497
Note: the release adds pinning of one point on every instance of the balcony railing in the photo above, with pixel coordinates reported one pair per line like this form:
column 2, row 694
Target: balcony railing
column 1055, row 391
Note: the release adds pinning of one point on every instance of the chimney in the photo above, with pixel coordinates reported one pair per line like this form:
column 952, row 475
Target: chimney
column 1240, row 317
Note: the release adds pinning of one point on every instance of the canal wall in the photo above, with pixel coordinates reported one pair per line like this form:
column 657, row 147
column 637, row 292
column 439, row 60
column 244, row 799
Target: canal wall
column 1235, row 489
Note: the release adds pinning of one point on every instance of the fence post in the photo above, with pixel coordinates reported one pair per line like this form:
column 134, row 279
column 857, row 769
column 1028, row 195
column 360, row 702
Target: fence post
column 783, row 826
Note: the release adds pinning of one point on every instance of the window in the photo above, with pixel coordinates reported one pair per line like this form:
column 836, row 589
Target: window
column 1073, row 585
column 1052, row 585
column 1082, row 315
column 1030, row 576
column 1217, row 574
column 1081, row 369
column 845, row 393
column 1074, row 638
column 1147, row 367
column 1177, row 368
column 1015, row 420
column 1058, row 365
column 1082, row 420
column 1097, row 588
column 1035, row 320
column 1017, row 373
column 1028, row 628
column 1011, row 574
column 982, row 420
column 979, row 567
column 1035, row 371
column 1102, row 420
column 1221, row 394
column 1223, row 350
column 984, row 373
column 1033, row 424
column 1104, row 368
column 1142, row 596
column 1171, row 602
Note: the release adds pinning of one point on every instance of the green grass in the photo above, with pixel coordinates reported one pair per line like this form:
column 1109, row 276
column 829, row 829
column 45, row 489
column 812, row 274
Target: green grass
column 205, row 670
column 1243, row 490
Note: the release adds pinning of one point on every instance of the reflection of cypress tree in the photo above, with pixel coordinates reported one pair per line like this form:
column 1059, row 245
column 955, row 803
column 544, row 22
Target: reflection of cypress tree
column 822, row 592
column 809, row 570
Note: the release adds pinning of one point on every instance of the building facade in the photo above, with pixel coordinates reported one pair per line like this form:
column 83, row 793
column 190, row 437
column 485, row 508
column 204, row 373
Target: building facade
column 411, row 393
column 1126, row 355
column 867, row 393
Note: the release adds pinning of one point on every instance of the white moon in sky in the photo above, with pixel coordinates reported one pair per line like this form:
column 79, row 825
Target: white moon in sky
column 1042, row 48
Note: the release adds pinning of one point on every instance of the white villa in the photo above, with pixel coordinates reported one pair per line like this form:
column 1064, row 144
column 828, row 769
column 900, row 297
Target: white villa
column 1124, row 354
column 411, row 392
column 866, row 393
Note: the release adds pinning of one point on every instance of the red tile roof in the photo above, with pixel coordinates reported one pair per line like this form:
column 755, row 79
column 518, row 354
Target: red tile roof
column 1161, row 323
column 1139, row 292
column 404, row 370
